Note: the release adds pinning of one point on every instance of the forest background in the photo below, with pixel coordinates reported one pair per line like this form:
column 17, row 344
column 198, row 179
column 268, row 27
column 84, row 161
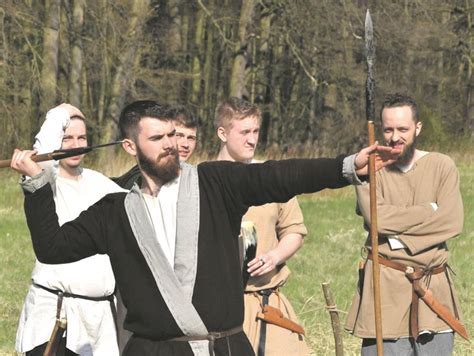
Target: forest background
column 301, row 61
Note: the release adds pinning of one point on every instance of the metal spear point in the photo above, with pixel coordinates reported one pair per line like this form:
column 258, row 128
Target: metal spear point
column 370, row 56
column 60, row 154
column 370, row 113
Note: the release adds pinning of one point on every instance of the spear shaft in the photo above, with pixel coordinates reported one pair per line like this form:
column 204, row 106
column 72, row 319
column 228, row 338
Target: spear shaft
column 60, row 154
column 370, row 113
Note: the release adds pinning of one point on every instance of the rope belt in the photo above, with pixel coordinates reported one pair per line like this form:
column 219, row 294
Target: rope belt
column 414, row 275
column 211, row 337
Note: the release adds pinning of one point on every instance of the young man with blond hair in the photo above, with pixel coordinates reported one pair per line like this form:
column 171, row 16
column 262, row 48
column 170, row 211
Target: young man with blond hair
column 280, row 232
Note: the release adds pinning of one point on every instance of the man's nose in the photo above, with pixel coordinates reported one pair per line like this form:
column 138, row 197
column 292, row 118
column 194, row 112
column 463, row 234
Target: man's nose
column 395, row 136
column 168, row 142
column 252, row 139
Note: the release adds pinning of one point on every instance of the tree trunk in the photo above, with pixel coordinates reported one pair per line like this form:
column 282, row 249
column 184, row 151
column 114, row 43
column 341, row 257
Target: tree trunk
column 125, row 68
column 237, row 80
column 196, row 66
column 174, row 32
column 49, row 70
column 208, row 78
column 76, row 57
column 470, row 78
column 104, row 71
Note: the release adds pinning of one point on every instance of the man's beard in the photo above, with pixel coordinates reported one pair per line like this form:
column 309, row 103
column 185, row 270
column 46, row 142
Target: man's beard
column 164, row 172
column 407, row 154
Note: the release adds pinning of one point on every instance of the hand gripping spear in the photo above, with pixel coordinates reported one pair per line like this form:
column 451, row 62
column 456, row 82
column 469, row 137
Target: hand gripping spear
column 60, row 154
column 370, row 114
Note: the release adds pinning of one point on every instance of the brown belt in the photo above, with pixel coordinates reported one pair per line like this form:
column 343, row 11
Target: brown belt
column 414, row 274
column 211, row 337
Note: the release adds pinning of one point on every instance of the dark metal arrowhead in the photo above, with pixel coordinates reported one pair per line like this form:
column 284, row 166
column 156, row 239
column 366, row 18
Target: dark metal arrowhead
column 370, row 55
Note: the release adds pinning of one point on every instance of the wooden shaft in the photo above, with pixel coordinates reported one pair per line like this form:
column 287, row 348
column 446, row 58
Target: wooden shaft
column 36, row 158
column 56, row 336
column 374, row 237
column 336, row 325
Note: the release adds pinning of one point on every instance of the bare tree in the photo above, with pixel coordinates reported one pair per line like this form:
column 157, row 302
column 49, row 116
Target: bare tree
column 75, row 77
column 49, row 71
column 237, row 78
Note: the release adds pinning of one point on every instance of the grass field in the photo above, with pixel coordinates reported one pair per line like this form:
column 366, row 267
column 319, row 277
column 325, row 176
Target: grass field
column 331, row 253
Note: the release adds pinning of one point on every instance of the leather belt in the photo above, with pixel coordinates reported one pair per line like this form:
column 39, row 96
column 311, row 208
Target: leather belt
column 265, row 293
column 72, row 295
column 211, row 337
column 414, row 275
column 403, row 268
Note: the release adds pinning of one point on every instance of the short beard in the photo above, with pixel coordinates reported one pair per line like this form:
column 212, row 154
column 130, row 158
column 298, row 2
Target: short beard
column 408, row 154
column 163, row 172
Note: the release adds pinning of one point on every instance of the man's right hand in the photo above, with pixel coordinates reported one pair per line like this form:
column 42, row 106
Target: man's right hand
column 23, row 164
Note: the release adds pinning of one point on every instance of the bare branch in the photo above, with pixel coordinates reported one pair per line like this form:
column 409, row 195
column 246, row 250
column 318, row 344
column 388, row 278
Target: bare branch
column 214, row 22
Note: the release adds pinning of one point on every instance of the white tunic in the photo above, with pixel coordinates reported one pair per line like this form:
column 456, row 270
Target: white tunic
column 162, row 215
column 90, row 324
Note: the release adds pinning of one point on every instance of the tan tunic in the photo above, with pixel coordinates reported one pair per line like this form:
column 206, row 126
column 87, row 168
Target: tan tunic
column 273, row 221
column 404, row 211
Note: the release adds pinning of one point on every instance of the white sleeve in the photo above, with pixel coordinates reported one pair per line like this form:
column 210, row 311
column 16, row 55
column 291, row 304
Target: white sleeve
column 50, row 136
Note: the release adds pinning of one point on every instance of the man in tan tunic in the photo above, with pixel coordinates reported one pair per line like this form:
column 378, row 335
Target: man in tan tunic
column 280, row 232
column 419, row 208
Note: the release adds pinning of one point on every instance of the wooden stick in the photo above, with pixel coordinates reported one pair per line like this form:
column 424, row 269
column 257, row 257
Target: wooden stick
column 61, row 154
column 4, row 163
column 374, row 237
column 336, row 326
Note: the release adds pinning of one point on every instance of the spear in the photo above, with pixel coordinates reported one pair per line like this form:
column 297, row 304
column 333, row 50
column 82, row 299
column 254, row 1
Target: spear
column 370, row 114
column 60, row 154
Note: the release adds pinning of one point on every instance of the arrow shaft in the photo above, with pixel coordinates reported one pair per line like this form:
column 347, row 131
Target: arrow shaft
column 60, row 154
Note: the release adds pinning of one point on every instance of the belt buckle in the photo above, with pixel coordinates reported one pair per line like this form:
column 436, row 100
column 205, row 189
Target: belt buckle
column 266, row 292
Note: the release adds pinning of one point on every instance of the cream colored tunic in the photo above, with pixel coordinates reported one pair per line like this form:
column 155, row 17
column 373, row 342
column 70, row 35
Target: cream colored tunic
column 404, row 211
column 273, row 221
column 90, row 324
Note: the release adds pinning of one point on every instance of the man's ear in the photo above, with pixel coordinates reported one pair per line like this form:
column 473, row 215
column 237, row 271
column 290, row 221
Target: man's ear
column 222, row 134
column 418, row 127
column 129, row 146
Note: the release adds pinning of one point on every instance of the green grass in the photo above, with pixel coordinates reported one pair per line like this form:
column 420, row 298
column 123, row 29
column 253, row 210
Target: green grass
column 330, row 254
